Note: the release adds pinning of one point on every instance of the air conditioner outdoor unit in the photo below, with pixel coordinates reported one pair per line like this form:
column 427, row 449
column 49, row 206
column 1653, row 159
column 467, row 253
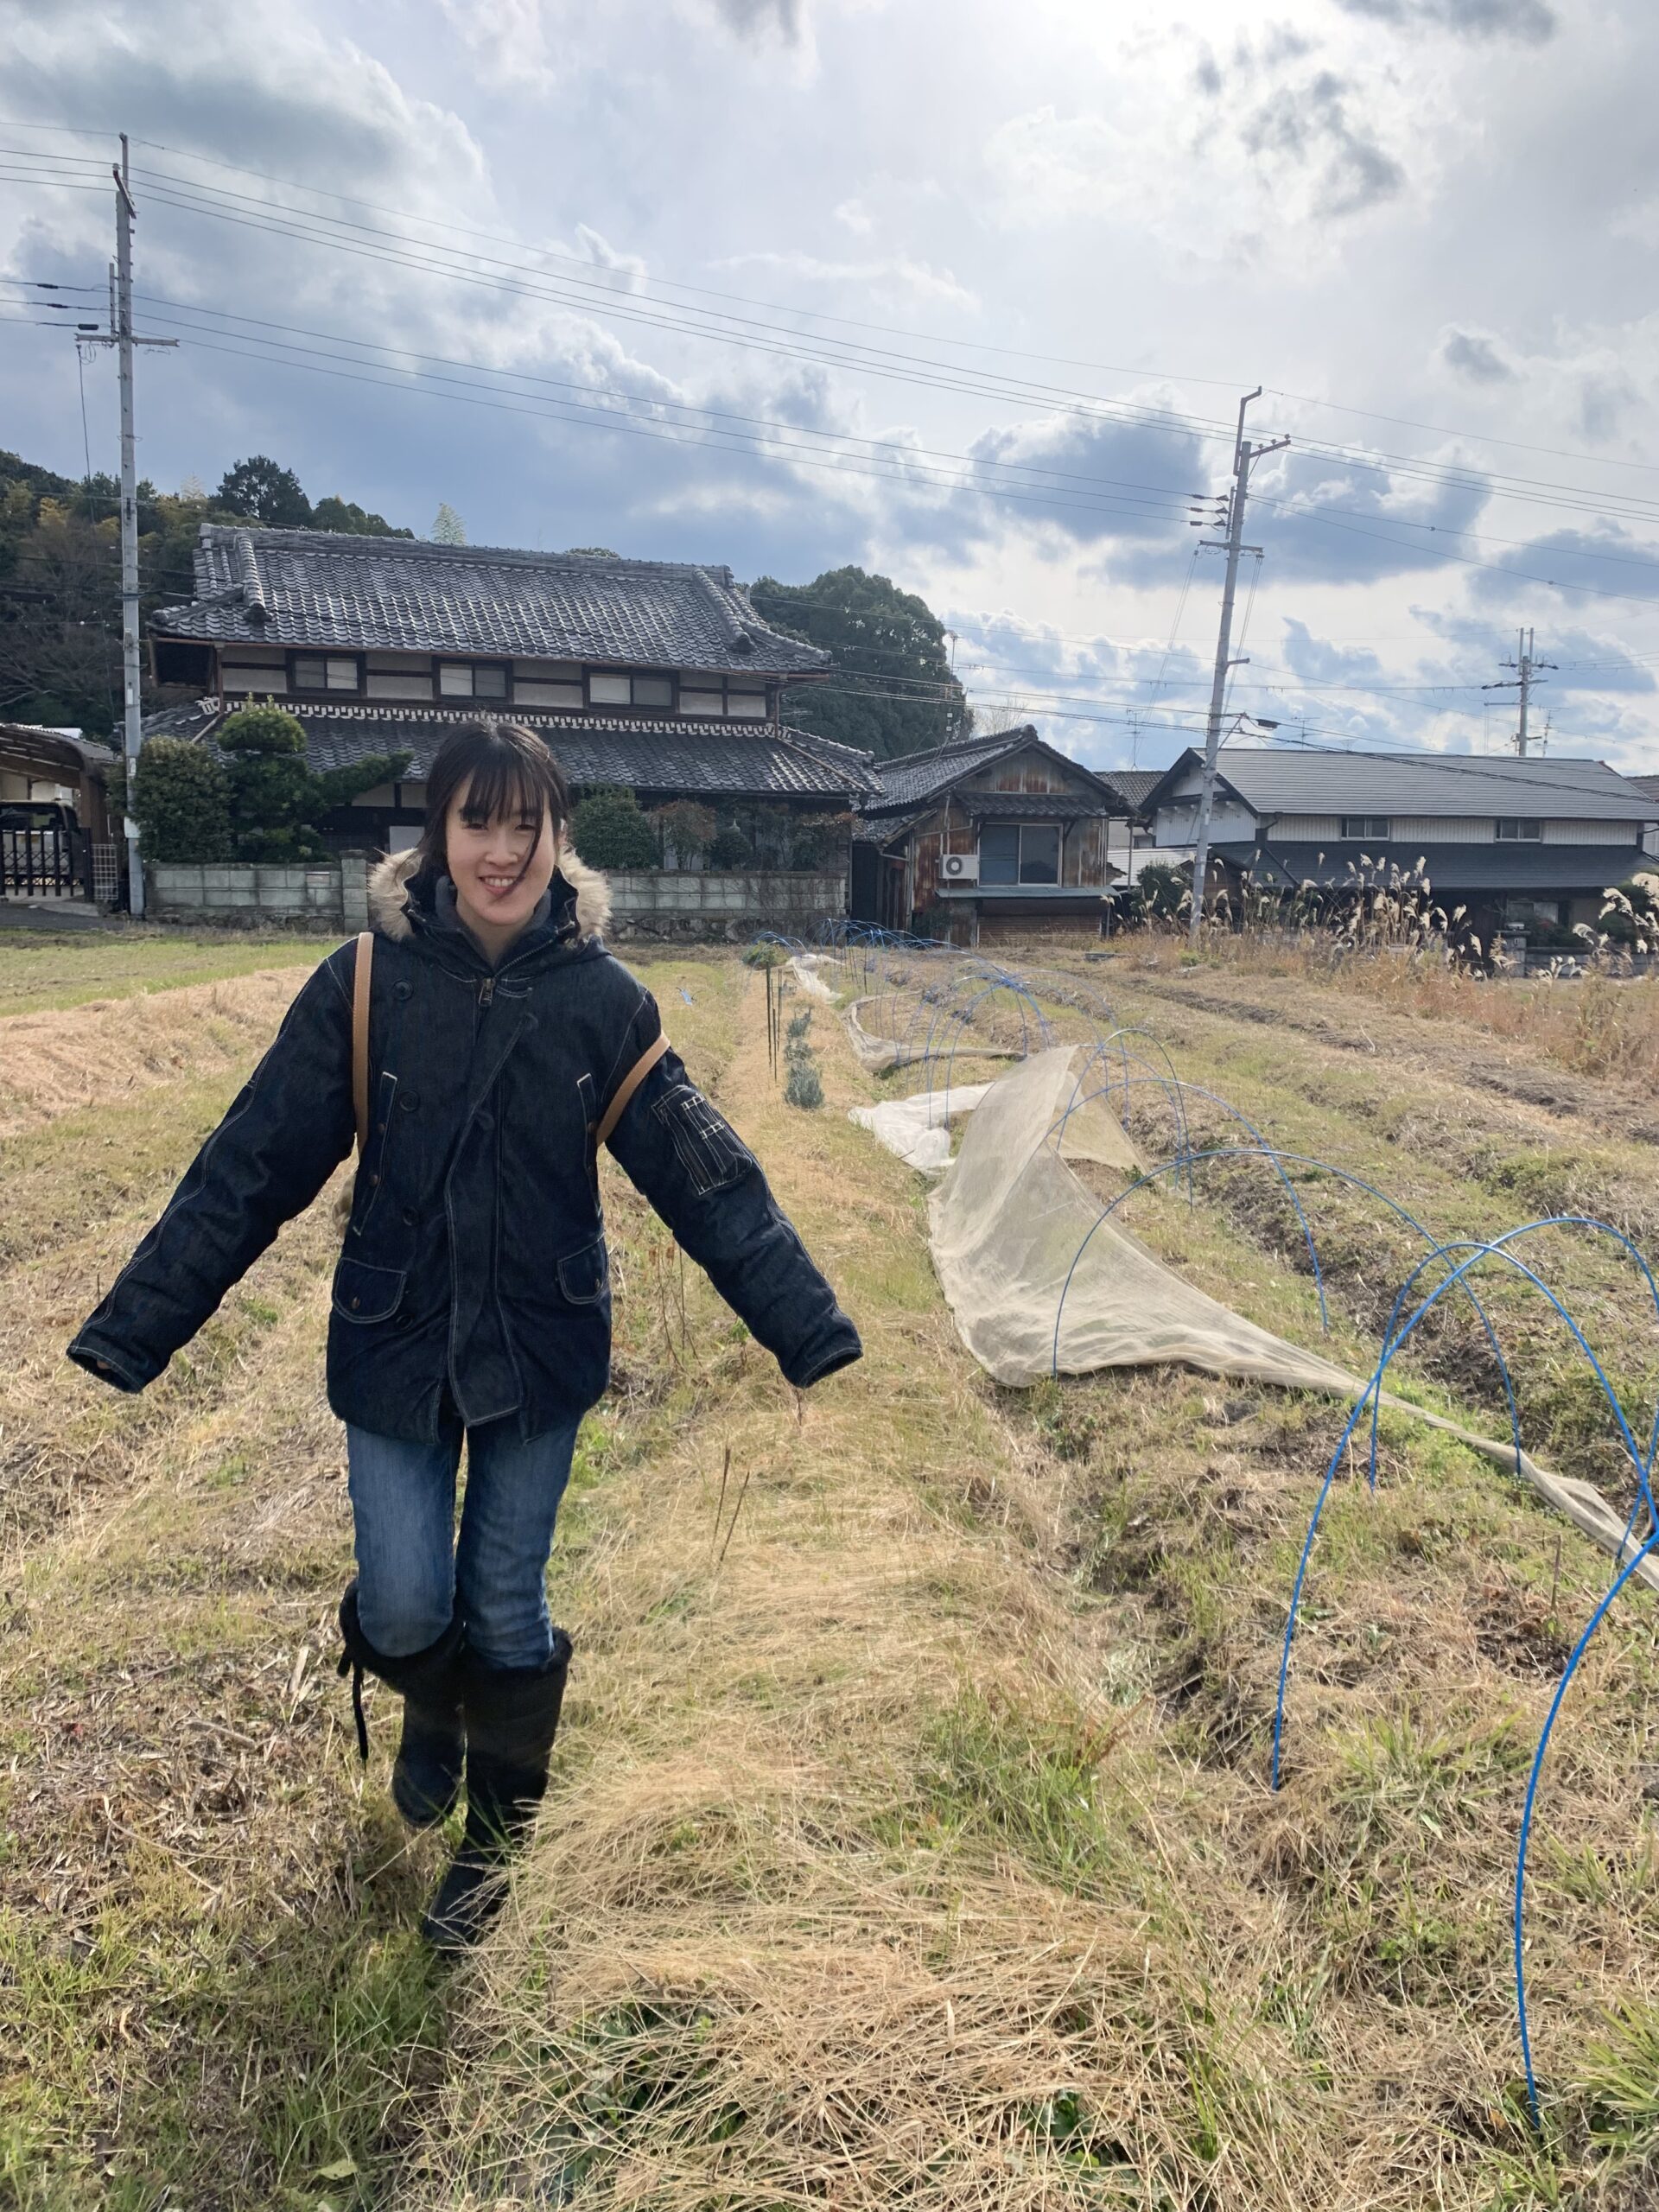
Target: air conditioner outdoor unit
column 960, row 867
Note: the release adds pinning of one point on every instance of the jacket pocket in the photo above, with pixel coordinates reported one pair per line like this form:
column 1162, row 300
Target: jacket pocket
column 707, row 1147
column 367, row 1293
column 372, row 1169
column 585, row 1275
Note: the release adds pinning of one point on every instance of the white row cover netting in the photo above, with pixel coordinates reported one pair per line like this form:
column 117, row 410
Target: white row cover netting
column 1015, row 1233
column 1039, row 1283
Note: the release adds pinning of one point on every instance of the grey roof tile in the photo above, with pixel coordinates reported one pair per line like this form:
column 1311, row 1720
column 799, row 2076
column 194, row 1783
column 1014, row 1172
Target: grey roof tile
column 913, row 778
column 326, row 588
column 697, row 759
column 1289, row 781
column 1133, row 783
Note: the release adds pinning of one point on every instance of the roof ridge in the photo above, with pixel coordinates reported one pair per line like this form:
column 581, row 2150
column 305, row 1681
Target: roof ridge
column 834, row 744
column 367, row 543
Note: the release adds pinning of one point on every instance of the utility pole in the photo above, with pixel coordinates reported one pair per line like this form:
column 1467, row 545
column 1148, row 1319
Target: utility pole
column 1526, row 665
column 120, row 336
column 1244, row 455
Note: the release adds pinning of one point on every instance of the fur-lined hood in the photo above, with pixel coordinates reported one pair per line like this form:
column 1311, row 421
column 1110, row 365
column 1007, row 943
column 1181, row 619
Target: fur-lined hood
column 388, row 894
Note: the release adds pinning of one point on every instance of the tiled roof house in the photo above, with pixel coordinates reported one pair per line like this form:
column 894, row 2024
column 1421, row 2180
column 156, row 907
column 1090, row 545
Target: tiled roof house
column 1516, row 844
column 656, row 674
column 996, row 827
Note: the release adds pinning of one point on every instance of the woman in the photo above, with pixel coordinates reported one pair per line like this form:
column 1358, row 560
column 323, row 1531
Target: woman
column 472, row 1298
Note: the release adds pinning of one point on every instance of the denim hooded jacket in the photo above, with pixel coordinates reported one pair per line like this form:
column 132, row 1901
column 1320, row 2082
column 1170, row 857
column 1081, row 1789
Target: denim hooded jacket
column 475, row 1263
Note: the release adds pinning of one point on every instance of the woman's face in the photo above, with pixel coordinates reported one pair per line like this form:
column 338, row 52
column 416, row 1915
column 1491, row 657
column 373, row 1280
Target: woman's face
column 499, row 868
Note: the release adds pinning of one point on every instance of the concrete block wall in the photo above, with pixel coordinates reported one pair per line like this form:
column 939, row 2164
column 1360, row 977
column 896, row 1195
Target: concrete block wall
column 327, row 896
column 333, row 897
column 712, row 904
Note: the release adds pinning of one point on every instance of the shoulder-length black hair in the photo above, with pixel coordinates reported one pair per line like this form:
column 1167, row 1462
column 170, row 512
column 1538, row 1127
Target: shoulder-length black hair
column 505, row 770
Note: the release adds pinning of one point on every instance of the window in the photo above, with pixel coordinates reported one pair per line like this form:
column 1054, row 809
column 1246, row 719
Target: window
column 742, row 698
column 472, row 679
column 327, row 672
column 1377, row 827
column 1014, row 852
column 236, row 677
column 397, row 684
column 1039, row 852
column 652, row 691
column 998, row 853
column 1522, row 827
column 530, row 691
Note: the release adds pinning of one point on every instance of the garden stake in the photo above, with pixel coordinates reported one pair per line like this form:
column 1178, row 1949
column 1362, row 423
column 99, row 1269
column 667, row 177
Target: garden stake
column 720, row 1504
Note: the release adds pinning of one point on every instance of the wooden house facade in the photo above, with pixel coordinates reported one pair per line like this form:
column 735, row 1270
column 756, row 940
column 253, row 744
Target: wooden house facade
column 996, row 830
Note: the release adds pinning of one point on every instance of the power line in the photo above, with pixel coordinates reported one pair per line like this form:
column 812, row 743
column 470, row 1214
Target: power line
column 817, row 315
column 878, row 361
column 1320, row 517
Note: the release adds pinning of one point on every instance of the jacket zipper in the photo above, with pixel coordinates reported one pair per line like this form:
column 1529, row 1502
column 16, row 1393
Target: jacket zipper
column 486, row 990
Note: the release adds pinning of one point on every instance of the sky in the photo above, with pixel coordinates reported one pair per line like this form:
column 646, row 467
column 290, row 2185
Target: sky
column 964, row 294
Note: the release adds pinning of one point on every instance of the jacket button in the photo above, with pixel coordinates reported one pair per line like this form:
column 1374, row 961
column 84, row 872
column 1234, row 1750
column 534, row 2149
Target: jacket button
column 410, row 1216
column 356, row 1302
column 409, row 1101
column 375, row 1181
column 402, row 992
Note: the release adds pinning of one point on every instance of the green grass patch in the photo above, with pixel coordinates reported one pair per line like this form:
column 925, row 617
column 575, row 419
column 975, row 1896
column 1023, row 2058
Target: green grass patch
column 39, row 974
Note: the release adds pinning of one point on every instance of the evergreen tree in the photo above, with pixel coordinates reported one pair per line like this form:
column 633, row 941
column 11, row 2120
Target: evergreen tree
column 893, row 689
column 448, row 528
column 335, row 513
column 261, row 492
column 274, row 798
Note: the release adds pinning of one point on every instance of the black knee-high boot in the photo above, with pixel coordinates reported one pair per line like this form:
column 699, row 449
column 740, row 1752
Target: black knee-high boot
column 512, row 1716
column 426, row 1775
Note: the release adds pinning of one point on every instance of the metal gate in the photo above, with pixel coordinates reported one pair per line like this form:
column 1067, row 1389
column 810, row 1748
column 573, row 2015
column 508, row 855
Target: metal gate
column 38, row 864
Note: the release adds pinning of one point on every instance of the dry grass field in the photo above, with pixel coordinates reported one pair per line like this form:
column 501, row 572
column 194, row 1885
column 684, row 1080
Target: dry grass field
column 911, row 1845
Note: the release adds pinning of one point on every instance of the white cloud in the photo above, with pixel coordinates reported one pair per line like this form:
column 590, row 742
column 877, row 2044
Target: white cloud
column 508, row 40
column 883, row 279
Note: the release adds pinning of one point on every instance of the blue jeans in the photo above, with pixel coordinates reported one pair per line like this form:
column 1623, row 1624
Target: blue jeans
column 411, row 1573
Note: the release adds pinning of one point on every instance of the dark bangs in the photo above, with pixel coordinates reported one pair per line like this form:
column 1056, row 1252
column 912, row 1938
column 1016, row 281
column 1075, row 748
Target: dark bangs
column 507, row 772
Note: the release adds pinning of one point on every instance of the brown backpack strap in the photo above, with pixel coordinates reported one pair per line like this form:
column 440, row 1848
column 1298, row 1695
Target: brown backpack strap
column 360, row 1038
column 624, row 1089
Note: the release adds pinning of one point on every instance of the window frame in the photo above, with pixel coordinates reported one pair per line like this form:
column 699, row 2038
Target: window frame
column 1019, row 880
column 1374, row 829
column 631, row 676
column 999, row 882
column 441, row 661
column 667, row 676
column 1518, row 829
column 1055, row 830
column 750, row 687
column 326, row 690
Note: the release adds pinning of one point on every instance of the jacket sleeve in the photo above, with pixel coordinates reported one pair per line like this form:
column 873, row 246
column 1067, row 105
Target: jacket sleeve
column 289, row 1128
column 685, row 1157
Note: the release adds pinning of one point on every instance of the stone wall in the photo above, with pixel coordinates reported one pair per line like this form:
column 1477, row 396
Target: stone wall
column 715, row 904
column 330, row 896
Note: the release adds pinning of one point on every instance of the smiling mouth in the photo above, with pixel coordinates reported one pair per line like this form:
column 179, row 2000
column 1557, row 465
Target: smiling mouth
column 499, row 885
